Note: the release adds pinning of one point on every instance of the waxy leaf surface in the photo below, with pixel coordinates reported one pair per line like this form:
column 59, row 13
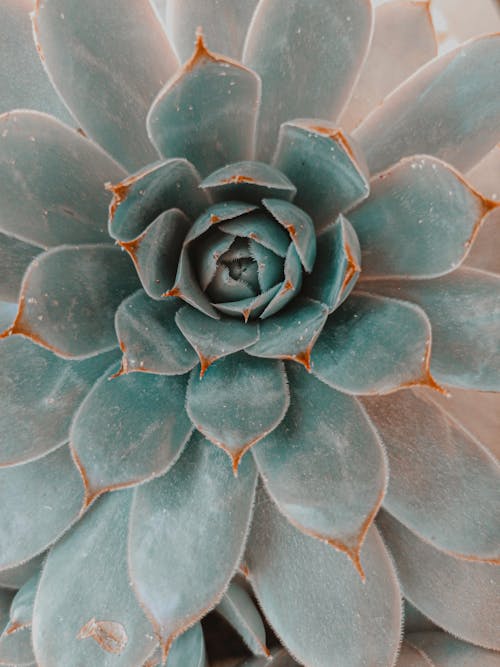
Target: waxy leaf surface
column 121, row 59
column 187, row 533
column 324, row 465
column 52, row 182
column 239, row 610
column 366, row 616
column 107, row 627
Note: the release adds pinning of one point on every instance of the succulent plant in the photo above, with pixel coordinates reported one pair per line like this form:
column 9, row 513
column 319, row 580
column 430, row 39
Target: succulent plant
column 247, row 339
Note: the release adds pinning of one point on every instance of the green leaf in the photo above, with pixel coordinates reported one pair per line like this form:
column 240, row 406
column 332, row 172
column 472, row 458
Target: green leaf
column 239, row 400
column 185, row 544
column 413, row 120
column 329, row 172
column 156, row 251
column 340, row 619
column 433, row 581
column 107, row 627
column 337, row 266
column 312, row 52
column 40, row 393
column 16, row 576
column 208, row 112
column 187, row 650
column 290, row 286
column 374, row 345
column 120, row 60
column 300, row 227
column 464, row 311
column 250, row 182
column 52, row 182
column 324, row 465
column 40, row 500
column 15, row 257
column 139, row 199
column 213, row 339
column 129, row 429
column 239, row 610
column 454, row 503
column 447, row 651
column 419, row 220
column 78, row 322
column 149, row 337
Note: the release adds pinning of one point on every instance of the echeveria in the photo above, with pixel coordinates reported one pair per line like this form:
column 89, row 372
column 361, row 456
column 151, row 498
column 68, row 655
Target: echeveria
column 256, row 342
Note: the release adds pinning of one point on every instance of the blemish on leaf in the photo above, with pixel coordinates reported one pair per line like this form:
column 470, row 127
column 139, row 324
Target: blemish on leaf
column 110, row 635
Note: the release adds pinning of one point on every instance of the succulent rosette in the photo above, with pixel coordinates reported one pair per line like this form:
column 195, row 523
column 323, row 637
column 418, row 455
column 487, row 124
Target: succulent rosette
column 238, row 285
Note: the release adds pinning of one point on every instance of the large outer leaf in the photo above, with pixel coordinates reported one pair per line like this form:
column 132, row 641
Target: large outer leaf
column 443, row 485
column 447, row 651
column 121, row 59
column 324, row 465
column 187, row 532
column 315, row 600
column 208, row 112
column 39, row 501
column 450, row 108
column 403, row 40
column 78, row 322
column 40, row 393
column 419, row 220
column 464, row 310
column 129, row 429
column 16, row 576
column 433, row 581
column 85, row 610
column 52, row 182
column 312, row 51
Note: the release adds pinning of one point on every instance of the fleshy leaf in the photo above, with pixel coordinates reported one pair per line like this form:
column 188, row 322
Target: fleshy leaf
column 69, row 296
column 149, row 337
column 239, row 400
column 40, row 393
column 39, row 501
column 16, row 576
column 415, row 621
column 269, row 265
column 291, row 284
column 5, row 600
column 7, row 314
column 433, row 581
column 107, row 627
column 404, row 39
column 447, row 651
column 129, row 429
column 301, row 45
column 287, row 566
column 249, row 181
column 16, row 649
column 224, row 24
column 300, row 227
column 139, row 199
column 419, row 220
column 413, row 119
column 15, row 257
column 324, row 465
column 188, row 649
column 52, row 182
column 156, row 251
column 337, row 266
column 214, row 245
column 187, row 286
column 464, row 311
column 30, row 87
column 239, row 610
column 249, row 308
column 444, row 485
column 120, row 59
column 21, row 610
column 291, row 333
column 374, row 345
column 208, row 112
column 261, row 228
column 213, row 339
column 183, row 550
column 326, row 167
